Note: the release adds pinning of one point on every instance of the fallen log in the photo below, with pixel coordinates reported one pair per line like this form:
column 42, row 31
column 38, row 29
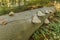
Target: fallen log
column 22, row 25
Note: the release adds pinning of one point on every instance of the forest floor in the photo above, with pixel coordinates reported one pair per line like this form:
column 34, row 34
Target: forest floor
column 50, row 31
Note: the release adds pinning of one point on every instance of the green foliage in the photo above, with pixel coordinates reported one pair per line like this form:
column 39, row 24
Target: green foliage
column 4, row 10
column 50, row 31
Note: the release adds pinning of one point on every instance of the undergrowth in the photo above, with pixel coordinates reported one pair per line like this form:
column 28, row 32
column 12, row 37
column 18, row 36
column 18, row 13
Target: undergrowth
column 50, row 31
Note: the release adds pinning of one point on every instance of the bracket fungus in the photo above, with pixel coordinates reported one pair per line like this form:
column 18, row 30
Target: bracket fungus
column 35, row 19
column 46, row 21
column 11, row 14
column 40, row 13
column 50, row 11
column 3, row 21
column 47, row 11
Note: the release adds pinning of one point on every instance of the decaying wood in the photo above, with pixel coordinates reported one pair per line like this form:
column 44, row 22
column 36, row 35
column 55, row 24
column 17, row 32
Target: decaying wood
column 20, row 26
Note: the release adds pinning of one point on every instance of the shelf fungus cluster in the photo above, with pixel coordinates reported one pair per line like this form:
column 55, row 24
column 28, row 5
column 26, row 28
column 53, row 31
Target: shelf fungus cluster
column 42, row 14
column 36, row 17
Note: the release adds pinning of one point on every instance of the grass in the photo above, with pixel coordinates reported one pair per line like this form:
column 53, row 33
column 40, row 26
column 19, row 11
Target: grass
column 50, row 31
